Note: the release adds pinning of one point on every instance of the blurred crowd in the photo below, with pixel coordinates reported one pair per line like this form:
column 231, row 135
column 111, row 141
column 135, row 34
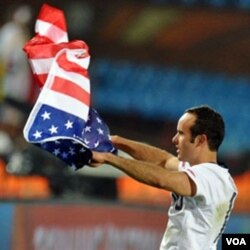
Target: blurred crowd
column 17, row 93
column 17, row 86
column 24, row 170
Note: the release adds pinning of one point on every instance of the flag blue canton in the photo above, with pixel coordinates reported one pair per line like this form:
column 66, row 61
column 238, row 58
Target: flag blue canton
column 68, row 137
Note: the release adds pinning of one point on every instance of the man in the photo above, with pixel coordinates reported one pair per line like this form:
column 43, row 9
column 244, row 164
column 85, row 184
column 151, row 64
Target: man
column 203, row 192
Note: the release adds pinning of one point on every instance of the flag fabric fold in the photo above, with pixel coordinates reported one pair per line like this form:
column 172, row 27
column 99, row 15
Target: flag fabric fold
column 62, row 120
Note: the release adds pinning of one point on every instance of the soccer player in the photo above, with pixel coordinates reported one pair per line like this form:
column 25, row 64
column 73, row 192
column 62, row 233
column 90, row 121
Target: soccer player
column 203, row 192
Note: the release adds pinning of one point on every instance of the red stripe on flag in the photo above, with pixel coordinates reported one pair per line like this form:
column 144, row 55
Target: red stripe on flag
column 40, row 79
column 52, row 15
column 69, row 88
column 35, row 48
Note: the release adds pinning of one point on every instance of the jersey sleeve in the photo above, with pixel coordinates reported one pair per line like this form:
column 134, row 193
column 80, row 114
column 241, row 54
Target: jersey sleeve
column 204, row 179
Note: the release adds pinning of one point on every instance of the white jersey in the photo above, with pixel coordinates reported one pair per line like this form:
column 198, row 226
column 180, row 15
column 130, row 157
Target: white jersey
column 197, row 222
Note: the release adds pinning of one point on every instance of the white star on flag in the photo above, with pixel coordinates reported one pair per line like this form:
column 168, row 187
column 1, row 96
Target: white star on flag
column 46, row 115
column 98, row 120
column 37, row 134
column 56, row 151
column 87, row 129
column 53, row 129
column 69, row 124
column 100, row 131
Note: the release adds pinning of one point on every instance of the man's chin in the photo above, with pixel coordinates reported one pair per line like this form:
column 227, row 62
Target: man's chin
column 180, row 158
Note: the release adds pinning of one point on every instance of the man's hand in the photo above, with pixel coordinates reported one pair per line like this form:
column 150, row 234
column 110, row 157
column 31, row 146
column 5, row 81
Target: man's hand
column 98, row 159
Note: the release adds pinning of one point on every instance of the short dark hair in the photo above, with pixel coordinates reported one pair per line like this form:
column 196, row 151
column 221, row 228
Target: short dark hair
column 208, row 122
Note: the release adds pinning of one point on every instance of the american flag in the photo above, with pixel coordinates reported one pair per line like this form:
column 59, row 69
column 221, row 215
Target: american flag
column 62, row 121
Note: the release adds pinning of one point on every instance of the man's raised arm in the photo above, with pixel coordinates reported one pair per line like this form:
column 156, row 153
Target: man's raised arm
column 144, row 152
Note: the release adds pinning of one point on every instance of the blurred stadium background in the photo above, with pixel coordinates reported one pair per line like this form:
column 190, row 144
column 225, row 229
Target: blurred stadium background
column 150, row 60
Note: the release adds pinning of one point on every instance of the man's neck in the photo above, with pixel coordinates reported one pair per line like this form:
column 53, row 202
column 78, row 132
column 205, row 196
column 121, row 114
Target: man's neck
column 207, row 157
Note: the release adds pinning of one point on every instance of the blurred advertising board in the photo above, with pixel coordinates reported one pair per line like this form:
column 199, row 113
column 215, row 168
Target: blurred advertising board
column 88, row 227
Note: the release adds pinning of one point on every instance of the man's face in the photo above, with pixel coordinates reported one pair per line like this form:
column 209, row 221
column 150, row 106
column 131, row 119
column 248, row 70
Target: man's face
column 182, row 140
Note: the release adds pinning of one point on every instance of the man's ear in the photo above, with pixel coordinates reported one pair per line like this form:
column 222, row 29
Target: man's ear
column 200, row 139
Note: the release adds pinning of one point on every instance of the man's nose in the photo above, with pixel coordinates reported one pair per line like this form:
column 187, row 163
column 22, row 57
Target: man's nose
column 174, row 140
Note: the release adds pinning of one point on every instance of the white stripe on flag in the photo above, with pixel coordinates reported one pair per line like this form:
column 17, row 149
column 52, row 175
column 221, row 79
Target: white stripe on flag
column 54, row 33
column 64, row 102
column 41, row 66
